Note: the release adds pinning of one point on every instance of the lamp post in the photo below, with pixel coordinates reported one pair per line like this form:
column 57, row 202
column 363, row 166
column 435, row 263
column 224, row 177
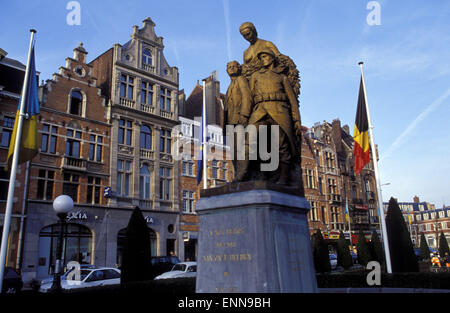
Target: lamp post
column 62, row 205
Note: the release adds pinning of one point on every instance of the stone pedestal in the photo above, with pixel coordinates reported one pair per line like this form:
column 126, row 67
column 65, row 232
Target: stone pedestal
column 254, row 238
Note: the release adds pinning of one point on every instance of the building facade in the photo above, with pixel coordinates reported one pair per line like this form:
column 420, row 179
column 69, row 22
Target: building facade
column 142, row 94
column 12, row 73
column 423, row 218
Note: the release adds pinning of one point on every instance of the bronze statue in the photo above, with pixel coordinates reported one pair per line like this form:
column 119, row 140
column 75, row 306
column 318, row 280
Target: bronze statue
column 275, row 103
column 252, row 64
column 237, row 109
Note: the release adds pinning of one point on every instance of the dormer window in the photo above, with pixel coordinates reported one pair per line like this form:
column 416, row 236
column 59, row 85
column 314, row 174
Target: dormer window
column 147, row 57
column 75, row 102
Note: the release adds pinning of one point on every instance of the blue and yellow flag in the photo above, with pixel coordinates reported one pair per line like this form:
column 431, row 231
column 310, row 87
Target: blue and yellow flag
column 346, row 211
column 29, row 137
column 200, row 155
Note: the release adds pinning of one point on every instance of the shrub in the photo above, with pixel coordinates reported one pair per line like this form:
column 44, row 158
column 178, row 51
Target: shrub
column 320, row 253
column 403, row 258
column 344, row 257
column 364, row 255
column 424, row 249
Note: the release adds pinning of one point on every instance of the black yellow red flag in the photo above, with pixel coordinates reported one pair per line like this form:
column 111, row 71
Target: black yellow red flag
column 361, row 147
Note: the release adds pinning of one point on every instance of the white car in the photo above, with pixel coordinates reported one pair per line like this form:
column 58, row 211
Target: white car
column 88, row 278
column 183, row 269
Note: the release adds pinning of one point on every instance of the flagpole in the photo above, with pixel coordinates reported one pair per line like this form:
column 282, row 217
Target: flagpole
column 349, row 227
column 377, row 178
column 15, row 161
column 205, row 134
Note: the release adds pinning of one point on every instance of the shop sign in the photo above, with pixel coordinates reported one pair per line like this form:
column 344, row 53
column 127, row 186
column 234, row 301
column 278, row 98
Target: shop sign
column 151, row 220
column 361, row 207
column 334, row 235
column 78, row 215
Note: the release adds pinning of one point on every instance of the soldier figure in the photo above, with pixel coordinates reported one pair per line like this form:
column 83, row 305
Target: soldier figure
column 275, row 103
column 237, row 112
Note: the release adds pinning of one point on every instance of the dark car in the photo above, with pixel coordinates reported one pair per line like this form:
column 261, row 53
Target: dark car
column 12, row 281
column 162, row 264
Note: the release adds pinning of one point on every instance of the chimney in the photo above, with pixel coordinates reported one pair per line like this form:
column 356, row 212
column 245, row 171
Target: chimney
column 416, row 199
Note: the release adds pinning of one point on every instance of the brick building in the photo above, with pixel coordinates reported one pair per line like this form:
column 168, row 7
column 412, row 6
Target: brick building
column 73, row 159
column 330, row 183
column 423, row 217
column 219, row 169
column 12, row 73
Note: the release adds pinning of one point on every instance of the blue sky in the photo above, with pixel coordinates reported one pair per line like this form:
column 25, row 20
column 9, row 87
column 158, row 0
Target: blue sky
column 407, row 63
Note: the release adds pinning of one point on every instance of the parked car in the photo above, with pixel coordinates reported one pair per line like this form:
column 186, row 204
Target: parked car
column 37, row 284
column 333, row 261
column 89, row 277
column 12, row 281
column 183, row 269
column 162, row 264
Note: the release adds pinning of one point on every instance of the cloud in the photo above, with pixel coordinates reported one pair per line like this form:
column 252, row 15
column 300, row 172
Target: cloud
column 403, row 137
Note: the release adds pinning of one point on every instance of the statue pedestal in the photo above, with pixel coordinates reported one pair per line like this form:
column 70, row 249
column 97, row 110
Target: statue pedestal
column 254, row 238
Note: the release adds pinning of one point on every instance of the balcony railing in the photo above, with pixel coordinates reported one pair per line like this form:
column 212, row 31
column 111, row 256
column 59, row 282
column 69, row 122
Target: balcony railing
column 147, row 154
column 73, row 163
column 127, row 102
column 145, row 203
column 148, row 67
column 147, row 108
column 166, row 114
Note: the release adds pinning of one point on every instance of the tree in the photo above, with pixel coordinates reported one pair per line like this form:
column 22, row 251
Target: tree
column 443, row 245
column 403, row 258
column 344, row 258
column 364, row 255
column 376, row 248
column 320, row 252
column 136, row 259
column 424, row 249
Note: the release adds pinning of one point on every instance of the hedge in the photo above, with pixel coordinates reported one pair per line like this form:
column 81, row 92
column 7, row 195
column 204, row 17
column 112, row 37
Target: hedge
column 341, row 280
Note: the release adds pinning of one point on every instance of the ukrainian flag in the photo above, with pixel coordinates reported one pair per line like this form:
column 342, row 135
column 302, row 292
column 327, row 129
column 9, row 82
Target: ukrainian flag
column 29, row 137
column 361, row 147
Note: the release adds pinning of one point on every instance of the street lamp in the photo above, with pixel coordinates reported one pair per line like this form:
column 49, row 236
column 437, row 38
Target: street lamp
column 62, row 205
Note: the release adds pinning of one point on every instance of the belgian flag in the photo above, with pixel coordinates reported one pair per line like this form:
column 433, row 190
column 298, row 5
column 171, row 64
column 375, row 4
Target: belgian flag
column 361, row 147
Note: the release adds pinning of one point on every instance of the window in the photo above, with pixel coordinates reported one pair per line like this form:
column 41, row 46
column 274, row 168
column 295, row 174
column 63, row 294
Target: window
column 75, row 102
column 310, row 179
column 188, row 168
column 8, row 126
column 188, row 201
column 147, row 57
column 4, row 184
column 123, row 177
column 332, row 186
column 164, row 99
column 126, row 86
column 165, row 181
column 125, row 131
column 318, row 157
column 73, row 143
column 215, row 169
column 94, row 189
column 45, row 185
column 95, row 148
column 224, row 170
column 329, row 159
column 70, row 185
column 146, row 137
column 334, row 217
column 144, row 182
column 320, row 186
column 49, row 133
column 314, row 213
column 146, row 93
column 165, row 141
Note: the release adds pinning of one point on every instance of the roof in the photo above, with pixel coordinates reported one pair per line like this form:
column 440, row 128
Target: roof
column 13, row 63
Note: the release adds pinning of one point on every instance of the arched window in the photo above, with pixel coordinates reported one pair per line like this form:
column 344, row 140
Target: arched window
column 147, row 57
column 144, row 182
column 77, row 246
column 76, row 102
column 146, row 137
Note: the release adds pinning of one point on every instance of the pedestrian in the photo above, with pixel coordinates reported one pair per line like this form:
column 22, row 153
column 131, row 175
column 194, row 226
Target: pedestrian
column 435, row 261
column 446, row 260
